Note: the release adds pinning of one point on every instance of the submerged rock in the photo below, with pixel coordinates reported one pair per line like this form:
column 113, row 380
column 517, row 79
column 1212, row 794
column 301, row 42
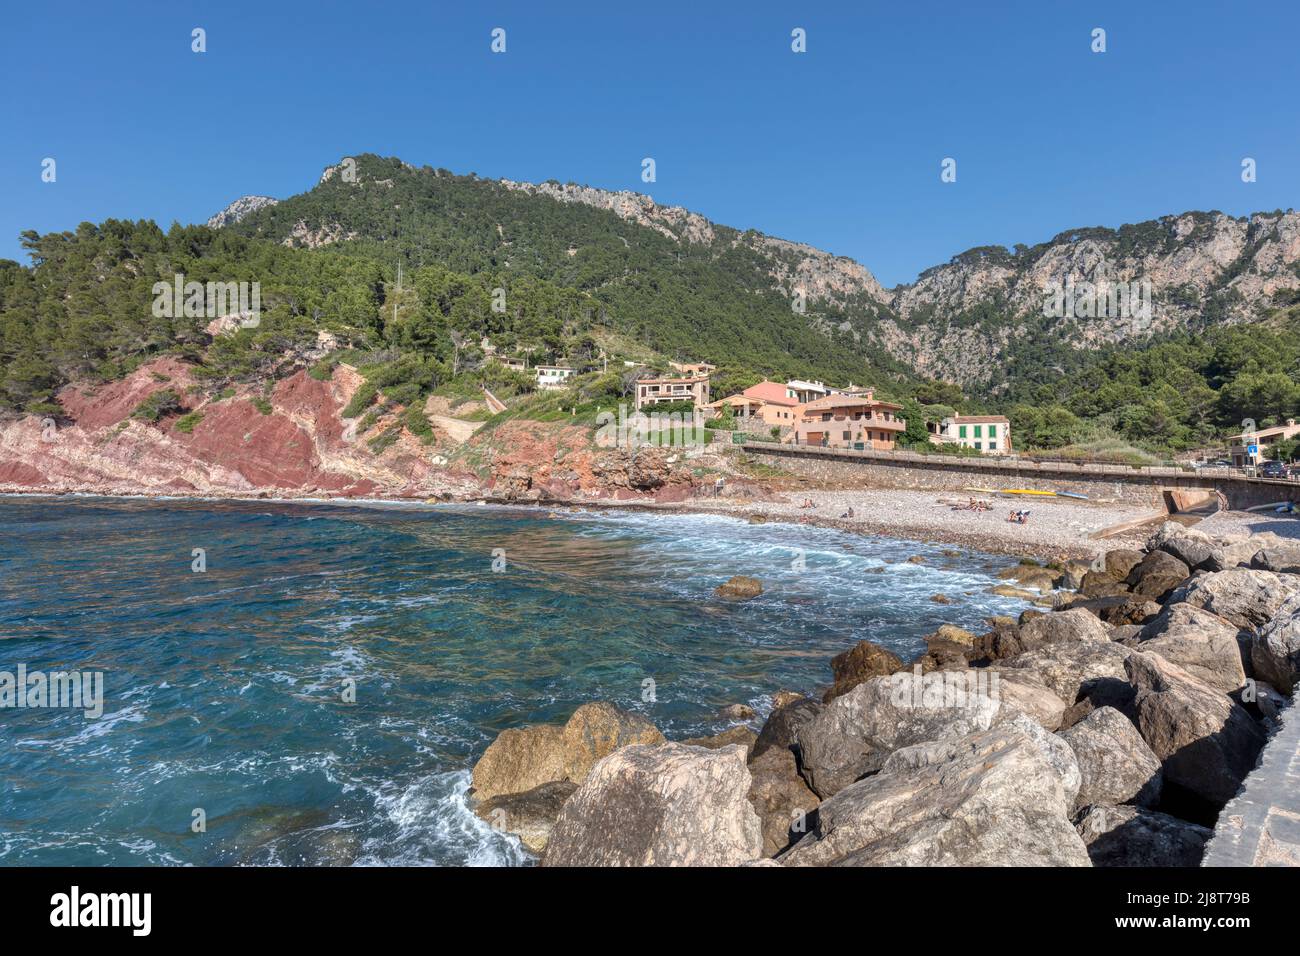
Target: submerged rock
column 740, row 588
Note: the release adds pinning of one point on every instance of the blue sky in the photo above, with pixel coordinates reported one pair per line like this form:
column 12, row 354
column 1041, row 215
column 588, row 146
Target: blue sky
column 839, row 147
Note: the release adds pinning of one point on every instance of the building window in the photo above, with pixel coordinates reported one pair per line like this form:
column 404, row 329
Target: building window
column 846, row 436
column 961, row 431
column 993, row 431
column 979, row 432
column 993, row 446
column 979, row 446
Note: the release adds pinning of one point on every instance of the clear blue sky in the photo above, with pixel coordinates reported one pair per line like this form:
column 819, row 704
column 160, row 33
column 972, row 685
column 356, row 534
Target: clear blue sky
column 839, row 147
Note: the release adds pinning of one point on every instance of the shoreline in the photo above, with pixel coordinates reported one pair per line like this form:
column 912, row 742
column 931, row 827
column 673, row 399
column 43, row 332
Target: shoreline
column 987, row 532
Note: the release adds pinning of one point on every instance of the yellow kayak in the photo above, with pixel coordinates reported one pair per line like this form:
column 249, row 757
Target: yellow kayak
column 1029, row 491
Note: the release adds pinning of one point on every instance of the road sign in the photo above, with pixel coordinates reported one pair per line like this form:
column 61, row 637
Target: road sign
column 1252, row 450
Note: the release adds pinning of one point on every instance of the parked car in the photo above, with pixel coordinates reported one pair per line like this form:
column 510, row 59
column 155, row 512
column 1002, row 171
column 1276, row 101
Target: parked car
column 1272, row 469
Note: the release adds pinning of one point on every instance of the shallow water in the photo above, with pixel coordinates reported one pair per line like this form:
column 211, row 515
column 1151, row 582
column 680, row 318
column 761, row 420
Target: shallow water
column 224, row 689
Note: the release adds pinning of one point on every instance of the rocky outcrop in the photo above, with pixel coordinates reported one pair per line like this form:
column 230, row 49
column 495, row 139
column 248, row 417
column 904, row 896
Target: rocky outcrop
column 985, row 799
column 1075, row 669
column 665, row 805
column 1115, row 763
column 237, row 210
column 1206, row 742
column 525, row 758
column 1133, row 836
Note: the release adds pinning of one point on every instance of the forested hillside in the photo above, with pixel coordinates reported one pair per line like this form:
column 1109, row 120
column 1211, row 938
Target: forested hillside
column 570, row 274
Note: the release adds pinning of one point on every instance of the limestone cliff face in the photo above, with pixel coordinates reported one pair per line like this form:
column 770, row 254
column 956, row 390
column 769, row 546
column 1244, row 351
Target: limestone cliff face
column 966, row 320
column 241, row 207
column 1201, row 269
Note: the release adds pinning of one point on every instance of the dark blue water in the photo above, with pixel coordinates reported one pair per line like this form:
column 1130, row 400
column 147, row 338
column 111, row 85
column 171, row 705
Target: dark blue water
column 224, row 689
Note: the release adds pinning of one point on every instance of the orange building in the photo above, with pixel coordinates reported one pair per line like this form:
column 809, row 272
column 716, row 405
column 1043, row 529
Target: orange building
column 848, row 421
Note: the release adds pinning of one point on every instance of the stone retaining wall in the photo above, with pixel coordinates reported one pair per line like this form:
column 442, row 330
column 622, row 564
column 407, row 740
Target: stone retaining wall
column 1146, row 486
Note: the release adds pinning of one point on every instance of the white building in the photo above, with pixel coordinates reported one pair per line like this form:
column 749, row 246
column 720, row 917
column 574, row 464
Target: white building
column 552, row 377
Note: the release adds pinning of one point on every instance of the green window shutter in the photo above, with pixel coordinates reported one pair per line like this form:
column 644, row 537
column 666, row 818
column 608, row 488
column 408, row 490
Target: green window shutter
column 979, row 431
column 961, row 431
column 993, row 431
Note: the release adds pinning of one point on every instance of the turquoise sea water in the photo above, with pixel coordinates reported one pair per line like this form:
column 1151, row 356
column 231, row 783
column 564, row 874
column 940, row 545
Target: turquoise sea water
column 224, row 690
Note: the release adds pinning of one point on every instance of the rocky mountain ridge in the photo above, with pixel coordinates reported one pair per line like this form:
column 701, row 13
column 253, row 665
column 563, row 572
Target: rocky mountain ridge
column 963, row 320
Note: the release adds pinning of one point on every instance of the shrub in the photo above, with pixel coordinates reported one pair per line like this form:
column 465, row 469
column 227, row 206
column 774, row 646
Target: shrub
column 158, row 405
column 361, row 400
column 186, row 423
column 262, row 405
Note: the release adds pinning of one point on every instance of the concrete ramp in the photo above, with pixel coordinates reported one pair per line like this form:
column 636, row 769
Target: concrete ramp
column 494, row 404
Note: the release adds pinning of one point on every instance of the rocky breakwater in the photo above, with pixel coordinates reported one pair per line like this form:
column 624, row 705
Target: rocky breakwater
column 1109, row 730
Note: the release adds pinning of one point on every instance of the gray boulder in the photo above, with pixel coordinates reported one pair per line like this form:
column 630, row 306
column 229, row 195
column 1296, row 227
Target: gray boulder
column 986, row 799
column 781, row 729
column 1206, row 742
column 667, row 805
column 1073, row 625
column 1156, row 575
column 854, row 734
column 1210, row 653
column 1025, row 691
column 1280, row 560
column 1115, row 763
column 1132, row 836
column 1275, row 650
column 1071, row 670
column 1244, row 597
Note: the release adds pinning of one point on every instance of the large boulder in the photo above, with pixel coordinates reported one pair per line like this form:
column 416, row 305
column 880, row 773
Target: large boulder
column 1275, row 650
column 1206, row 741
column 1284, row 559
column 782, row 727
column 987, row 799
column 1210, row 653
column 668, row 805
column 1075, row 669
column 1196, row 549
column 524, row 758
column 529, row 815
column 781, row 799
column 1133, row 836
column 1121, row 561
column 1026, row 692
column 1115, row 763
column 1245, row 597
column 854, row 734
column 1070, row 626
column 862, row 661
column 1156, row 575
